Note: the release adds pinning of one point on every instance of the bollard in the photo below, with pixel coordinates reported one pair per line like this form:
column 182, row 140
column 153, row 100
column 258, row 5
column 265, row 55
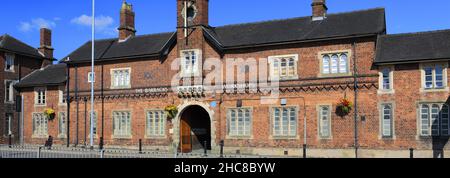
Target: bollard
column 140, row 146
column 304, row 150
column 101, row 143
column 411, row 153
column 222, row 143
column 205, row 148
column 9, row 140
column 39, row 153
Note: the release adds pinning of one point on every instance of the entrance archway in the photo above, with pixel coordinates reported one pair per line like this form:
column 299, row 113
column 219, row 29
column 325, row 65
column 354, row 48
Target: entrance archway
column 195, row 129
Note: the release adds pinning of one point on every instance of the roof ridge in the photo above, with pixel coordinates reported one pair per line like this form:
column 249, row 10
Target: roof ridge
column 295, row 18
column 416, row 33
column 143, row 35
column 21, row 42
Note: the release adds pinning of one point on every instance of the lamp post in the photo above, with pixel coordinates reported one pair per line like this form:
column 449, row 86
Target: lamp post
column 93, row 76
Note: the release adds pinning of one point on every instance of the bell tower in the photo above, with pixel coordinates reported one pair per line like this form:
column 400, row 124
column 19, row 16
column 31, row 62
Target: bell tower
column 192, row 15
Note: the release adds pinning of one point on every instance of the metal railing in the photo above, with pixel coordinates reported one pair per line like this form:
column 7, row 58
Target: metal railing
column 33, row 151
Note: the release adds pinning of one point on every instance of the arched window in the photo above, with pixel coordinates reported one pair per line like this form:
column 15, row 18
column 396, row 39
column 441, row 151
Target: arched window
column 343, row 64
column 387, row 120
column 386, row 79
column 334, row 64
column 326, row 64
column 445, row 120
column 424, row 120
column 435, row 120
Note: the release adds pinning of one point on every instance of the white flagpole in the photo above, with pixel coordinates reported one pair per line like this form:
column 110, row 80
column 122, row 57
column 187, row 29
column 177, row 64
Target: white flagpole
column 93, row 75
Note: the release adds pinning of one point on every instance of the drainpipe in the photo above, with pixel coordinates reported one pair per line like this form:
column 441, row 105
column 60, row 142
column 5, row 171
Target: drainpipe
column 78, row 105
column 355, row 75
column 68, row 105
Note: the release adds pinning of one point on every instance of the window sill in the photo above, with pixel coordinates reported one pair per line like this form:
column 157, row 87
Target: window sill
column 11, row 71
column 228, row 137
column 155, row 137
column 120, row 88
column 281, row 79
column 325, row 138
column 383, row 92
column 426, row 90
column 40, row 105
column 284, row 137
column 335, row 75
column 9, row 102
column 40, row 136
column 121, row 137
column 62, row 136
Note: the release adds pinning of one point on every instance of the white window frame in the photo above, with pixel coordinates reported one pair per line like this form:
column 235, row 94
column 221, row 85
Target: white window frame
column 62, row 127
column 10, row 98
column 429, row 127
column 245, row 133
column 445, row 87
column 381, row 89
column 126, row 132
column 278, row 60
column 321, row 123
column 38, row 101
column 12, row 57
column 159, row 131
column 339, row 53
column 292, row 126
column 192, row 70
column 42, row 131
column 120, row 80
column 8, row 126
column 383, row 121
column 62, row 99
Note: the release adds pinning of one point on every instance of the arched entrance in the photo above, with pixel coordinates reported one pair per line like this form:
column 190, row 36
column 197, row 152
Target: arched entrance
column 195, row 129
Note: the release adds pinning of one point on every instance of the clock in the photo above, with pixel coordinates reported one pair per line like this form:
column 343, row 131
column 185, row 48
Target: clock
column 189, row 11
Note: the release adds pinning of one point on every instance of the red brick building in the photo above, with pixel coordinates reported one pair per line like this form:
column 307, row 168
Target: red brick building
column 18, row 60
column 397, row 94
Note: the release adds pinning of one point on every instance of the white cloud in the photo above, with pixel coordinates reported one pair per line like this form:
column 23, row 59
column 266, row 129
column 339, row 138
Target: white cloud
column 103, row 24
column 36, row 24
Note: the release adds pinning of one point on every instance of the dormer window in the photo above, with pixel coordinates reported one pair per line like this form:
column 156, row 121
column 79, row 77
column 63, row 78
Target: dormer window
column 190, row 63
column 9, row 62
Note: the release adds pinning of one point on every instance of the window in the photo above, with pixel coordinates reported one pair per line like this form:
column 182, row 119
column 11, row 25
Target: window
column 239, row 122
column 9, row 91
column 8, row 124
column 9, row 62
column 386, row 79
column 335, row 63
column 62, row 124
column 40, row 125
column 62, row 99
column 387, row 120
column 156, row 124
column 122, row 124
column 434, row 120
column 285, row 121
column 283, row 67
column 434, row 76
column 190, row 63
column 40, row 96
column 325, row 121
column 120, row 78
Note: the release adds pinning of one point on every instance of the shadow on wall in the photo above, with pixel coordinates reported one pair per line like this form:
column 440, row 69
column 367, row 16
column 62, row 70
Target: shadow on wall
column 439, row 128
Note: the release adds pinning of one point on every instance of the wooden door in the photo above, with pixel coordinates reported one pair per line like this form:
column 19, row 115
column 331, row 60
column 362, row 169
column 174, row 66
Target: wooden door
column 185, row 137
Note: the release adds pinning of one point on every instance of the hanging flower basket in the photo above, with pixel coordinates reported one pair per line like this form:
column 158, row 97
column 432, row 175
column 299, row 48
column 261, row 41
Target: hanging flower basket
column 171, row 111
column 50, row 113
column 344, row 107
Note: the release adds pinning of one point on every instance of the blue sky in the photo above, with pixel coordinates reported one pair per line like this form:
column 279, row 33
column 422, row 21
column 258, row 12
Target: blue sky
column 69, row 19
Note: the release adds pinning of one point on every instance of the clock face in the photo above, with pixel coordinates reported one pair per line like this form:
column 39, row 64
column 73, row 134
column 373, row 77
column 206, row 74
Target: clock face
column 190, row 11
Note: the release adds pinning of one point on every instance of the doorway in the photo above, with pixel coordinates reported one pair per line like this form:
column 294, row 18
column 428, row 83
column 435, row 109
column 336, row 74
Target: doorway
column 195, row 129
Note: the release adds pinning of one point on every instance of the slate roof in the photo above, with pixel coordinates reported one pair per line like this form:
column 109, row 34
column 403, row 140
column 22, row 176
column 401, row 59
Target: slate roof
column 357, row 23
column 341, row 25
column 50, row 75
column 413, row 47
column 12, row 44
column 110, row 49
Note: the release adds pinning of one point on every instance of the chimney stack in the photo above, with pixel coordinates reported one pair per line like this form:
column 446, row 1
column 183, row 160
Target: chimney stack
column 319, row 9
column 127, row 27
column 46, row 43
